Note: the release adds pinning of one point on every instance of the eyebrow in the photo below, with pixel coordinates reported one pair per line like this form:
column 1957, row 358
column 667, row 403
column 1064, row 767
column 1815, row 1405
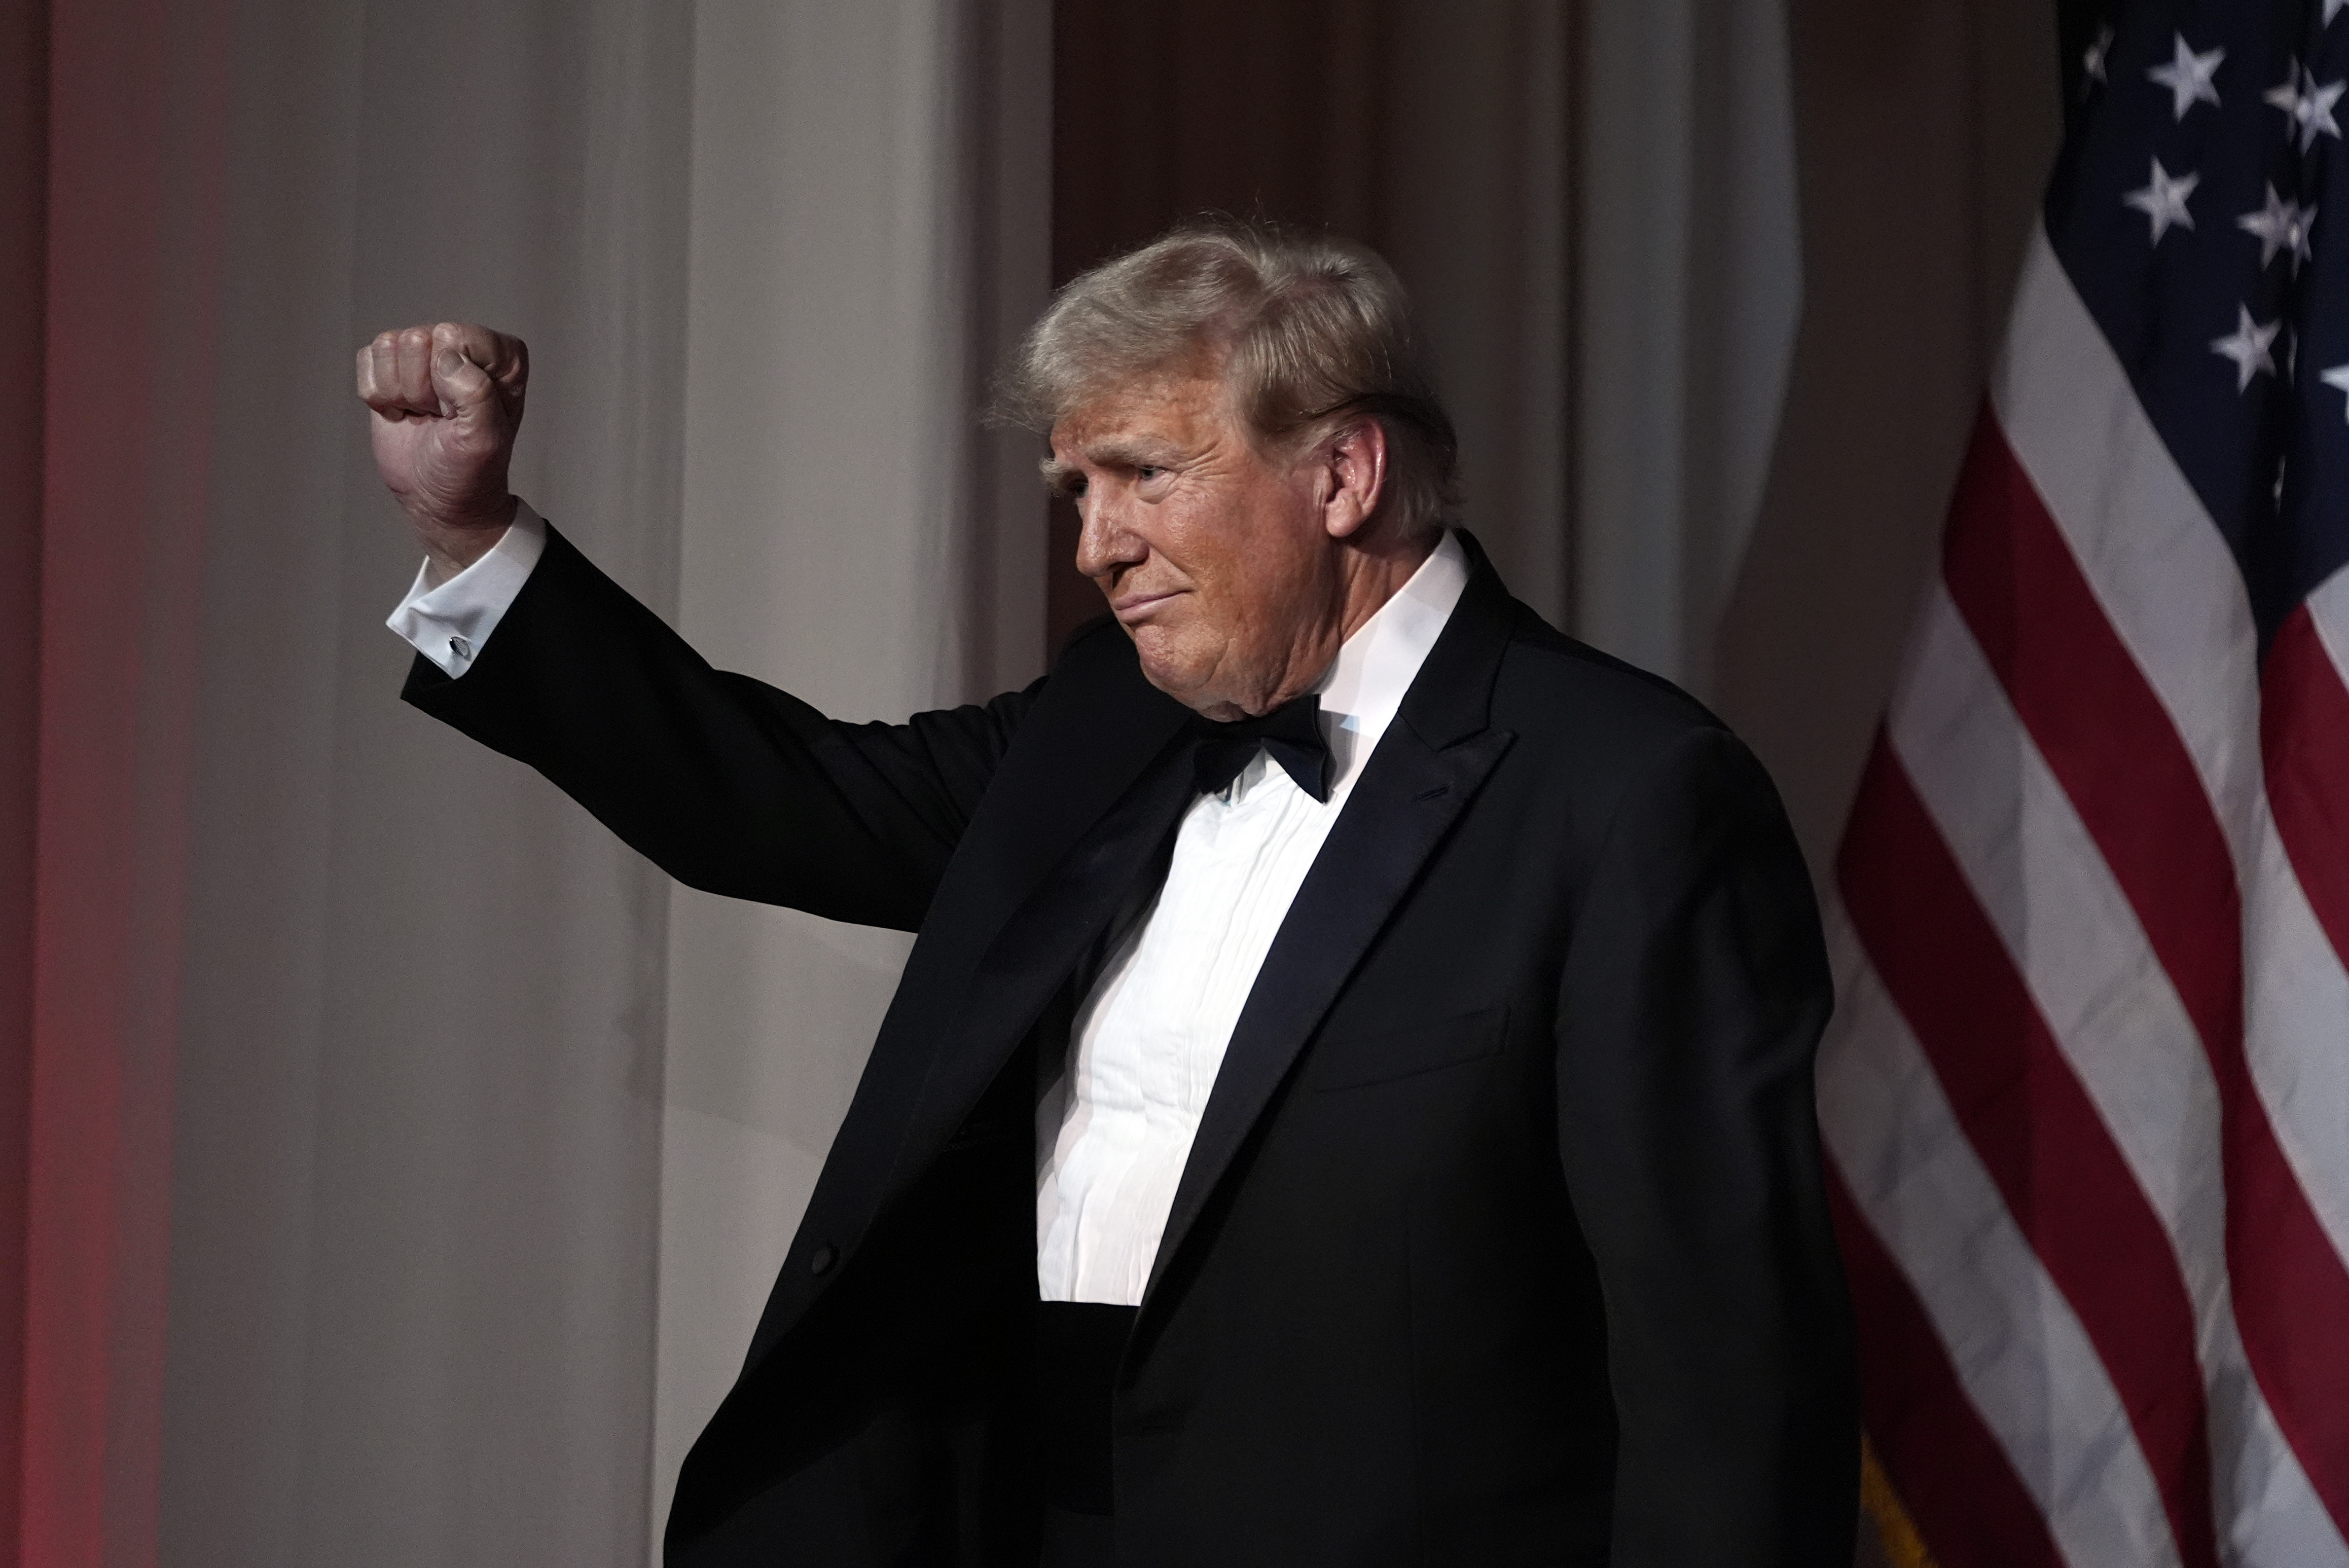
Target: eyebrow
column 1112, row 453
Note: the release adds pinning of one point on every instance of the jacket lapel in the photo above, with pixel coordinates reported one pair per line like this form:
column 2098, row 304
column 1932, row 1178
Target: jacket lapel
column 1085, row 788
column 1096, row 786
column 1036, row 950
column 1430, row 764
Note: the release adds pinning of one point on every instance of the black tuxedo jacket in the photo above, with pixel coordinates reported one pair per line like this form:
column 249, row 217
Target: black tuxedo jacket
column 1502, row 1242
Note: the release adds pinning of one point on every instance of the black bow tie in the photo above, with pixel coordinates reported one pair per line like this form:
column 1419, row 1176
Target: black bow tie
column 1290, row 734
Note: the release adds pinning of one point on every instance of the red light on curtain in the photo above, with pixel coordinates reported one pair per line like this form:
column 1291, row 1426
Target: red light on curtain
column 137, row 142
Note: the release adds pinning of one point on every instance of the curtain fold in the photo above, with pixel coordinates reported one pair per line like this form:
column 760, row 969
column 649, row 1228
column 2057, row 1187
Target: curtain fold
column 24, row 264
column 24, row 275
column 1687, row 291
column 352, row 1049
column 137, row 155
column 869, row 224
column 416, row 1128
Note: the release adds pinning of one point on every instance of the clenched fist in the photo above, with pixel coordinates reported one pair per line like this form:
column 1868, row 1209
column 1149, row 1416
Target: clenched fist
column 446, row 401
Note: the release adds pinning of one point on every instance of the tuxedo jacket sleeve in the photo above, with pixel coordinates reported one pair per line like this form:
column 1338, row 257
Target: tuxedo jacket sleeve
column 1690, row 1003
column 726, row 783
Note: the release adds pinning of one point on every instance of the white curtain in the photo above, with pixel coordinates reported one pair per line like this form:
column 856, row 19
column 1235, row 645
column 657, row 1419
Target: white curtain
column 870, row 227
column 485, row 1143
column 1688, row 295
column 417, row 1131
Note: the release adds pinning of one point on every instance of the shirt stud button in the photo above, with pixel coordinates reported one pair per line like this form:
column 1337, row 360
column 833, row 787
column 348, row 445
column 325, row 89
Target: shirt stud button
column 820, row 1262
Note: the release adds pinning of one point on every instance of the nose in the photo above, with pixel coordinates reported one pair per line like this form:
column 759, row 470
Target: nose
column 1104, row 544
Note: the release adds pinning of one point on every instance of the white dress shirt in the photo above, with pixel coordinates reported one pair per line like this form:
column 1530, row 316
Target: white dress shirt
column 1115, row 1131
column 1114, row 1135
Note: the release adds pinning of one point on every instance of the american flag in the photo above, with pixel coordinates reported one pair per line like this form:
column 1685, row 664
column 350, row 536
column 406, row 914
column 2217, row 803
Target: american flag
column 2086, row 1095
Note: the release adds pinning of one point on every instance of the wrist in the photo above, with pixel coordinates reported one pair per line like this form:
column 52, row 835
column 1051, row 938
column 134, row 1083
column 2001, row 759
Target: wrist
column 453, row 542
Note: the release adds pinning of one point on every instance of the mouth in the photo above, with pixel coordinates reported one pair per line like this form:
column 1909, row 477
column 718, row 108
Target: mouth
column 1130, row 607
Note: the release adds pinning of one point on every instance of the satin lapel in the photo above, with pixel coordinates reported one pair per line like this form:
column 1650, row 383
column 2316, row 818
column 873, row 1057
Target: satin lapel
column 1087, row 747
column 1428, row 767
column 1037, row 948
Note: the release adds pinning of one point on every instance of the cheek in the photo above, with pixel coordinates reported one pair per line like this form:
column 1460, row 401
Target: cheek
column 1228, row 588
column 1244, row 553
column 1270, row 568
column 1223, row 545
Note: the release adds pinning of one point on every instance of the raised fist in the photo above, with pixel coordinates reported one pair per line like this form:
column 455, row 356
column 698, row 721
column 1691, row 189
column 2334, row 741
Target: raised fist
column 445, row 402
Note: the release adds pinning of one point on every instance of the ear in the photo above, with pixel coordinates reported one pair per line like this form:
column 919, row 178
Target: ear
column 1354, row 469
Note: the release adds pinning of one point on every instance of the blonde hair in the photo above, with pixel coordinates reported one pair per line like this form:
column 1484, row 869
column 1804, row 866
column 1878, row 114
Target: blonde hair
column 1311, row 332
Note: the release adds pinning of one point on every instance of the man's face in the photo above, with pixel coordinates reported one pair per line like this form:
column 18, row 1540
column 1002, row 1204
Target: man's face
column 1216, row 558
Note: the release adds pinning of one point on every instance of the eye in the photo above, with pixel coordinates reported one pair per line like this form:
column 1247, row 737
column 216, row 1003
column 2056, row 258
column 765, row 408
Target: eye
column 1147, row 472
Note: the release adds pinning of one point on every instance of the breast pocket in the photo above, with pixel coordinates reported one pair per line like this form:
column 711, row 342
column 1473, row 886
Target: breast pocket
column 1383, row 1055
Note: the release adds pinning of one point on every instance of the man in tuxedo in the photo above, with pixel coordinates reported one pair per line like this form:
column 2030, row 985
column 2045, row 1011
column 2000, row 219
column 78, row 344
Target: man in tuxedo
column 1349, row 1100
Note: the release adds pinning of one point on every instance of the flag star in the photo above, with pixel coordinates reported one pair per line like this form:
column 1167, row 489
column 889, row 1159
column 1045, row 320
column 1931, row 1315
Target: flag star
column 2163, row 201
column 2281, row 225
column 2338, row 376
column 2187, row 76
column 2092, row 63
column 2316, row 111
column 2247, row 345
column 2308, row 104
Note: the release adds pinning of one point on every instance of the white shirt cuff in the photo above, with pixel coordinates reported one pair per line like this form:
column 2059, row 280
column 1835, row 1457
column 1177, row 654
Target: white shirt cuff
column 448, row 624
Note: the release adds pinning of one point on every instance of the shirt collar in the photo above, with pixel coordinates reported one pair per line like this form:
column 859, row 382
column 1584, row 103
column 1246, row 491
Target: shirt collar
column 1364, row 686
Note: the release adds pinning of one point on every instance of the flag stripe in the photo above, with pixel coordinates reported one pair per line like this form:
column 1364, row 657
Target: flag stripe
column 2101, row 729
column 2068, row 927
column 2106, row 736
column 2071, row 933
column 1953, row 1479
column 2035, row 1129
column 2304, row 745
column 2163, row 580
column 2169, row 587
column 2019, row 1352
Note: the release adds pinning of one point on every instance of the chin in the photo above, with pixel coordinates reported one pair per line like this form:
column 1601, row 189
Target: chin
column 1161, row 658
column 1168, row 678
column 1171, row 672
